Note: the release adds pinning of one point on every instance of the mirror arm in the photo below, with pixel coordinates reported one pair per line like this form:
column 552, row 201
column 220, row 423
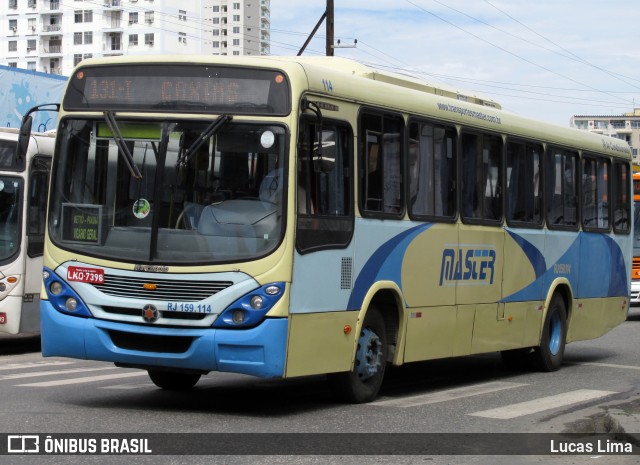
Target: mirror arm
column 315, row 108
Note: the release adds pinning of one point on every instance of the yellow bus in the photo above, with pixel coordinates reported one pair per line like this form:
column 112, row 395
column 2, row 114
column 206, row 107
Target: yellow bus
column 24, row 179
column 288, row 216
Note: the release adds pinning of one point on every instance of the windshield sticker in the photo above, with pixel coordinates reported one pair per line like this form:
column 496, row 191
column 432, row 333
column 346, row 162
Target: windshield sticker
column 141, row 208
column 81, row 223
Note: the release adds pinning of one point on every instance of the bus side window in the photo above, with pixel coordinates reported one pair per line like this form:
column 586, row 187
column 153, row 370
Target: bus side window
column 524, row 200
column 561, row 188
column 432, row 173
column 37, row 204
column 481, row 177
column 381, row 154
column 621, row 194
column 324, row 199
column 595, row 193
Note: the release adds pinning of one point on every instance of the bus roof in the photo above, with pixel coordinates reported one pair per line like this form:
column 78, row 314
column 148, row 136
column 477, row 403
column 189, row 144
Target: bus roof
column 356, row 82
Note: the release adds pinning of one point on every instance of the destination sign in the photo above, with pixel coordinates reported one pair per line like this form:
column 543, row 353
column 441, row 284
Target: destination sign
column 81, row 223
column 179, row 88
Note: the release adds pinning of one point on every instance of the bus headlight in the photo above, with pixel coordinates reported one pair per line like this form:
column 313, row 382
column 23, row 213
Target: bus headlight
column 238, row 316
column 55, row 288
column 250, row 310
column 3, row 287
column 62, row 297
column 71, row 304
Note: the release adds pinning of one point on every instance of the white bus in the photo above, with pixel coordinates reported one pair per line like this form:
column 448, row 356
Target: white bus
column 24, row 181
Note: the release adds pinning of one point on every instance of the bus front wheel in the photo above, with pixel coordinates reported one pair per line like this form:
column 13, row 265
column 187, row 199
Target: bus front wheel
column 363, row 383
column 173, row 381
column 550, row 352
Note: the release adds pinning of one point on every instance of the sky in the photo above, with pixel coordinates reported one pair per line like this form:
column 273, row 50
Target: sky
column 548, row 60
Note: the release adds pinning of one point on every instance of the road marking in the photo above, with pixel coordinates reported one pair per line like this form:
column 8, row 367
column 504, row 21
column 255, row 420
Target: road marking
column 542, row 404
column 88, row 379
column 34, row 374
column 127, row 386
column 449, row 394
column 610, row 365
column 20, row 366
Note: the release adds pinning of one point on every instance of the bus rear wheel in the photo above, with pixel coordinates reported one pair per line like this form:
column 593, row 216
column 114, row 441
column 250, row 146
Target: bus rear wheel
column 362, row 384
column 550, row 353
column 172, row 380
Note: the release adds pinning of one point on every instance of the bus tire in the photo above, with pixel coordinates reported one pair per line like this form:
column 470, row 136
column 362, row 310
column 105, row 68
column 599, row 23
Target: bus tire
column 550, row 353
column 172, row 380
column 362, row 384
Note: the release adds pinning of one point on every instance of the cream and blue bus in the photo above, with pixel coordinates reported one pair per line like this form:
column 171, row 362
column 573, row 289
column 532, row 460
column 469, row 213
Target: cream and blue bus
column 24, row 180
column 283, row 217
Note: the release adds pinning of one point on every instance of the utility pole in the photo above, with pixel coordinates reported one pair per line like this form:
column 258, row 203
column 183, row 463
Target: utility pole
column 330, row 31
column 328, row 15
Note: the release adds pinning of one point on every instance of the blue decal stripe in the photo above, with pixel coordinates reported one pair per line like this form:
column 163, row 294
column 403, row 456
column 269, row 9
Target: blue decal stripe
column 533, row 254
column 384, row 264
column 582, row 269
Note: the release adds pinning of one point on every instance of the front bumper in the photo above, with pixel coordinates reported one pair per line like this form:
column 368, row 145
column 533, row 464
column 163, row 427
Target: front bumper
column 259, row 351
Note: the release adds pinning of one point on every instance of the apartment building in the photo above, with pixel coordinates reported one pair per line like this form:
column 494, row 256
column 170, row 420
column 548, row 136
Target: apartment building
column 625, row 127
column 53, row 36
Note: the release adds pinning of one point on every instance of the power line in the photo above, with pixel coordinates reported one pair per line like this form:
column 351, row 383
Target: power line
column 515, row 55
column 572, row 55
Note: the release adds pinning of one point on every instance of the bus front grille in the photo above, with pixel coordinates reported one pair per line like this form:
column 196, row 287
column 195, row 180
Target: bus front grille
column 164, row 289
column 149, row 342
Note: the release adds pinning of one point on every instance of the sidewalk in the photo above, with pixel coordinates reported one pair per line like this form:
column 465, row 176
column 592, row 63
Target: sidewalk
column 627, row 417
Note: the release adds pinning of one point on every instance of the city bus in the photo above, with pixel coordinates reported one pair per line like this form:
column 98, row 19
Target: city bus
column 635, row 273
column 24, row 180
column 292, row 216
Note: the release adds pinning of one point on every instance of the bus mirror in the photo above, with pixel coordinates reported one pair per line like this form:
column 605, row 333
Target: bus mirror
column 23, row 140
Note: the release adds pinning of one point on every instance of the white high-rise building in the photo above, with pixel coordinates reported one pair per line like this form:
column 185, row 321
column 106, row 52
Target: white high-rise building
column 52, row 36
column 625, row 127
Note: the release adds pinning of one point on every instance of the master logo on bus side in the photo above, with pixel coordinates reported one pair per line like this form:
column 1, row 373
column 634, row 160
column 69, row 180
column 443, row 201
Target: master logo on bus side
column 474, row 265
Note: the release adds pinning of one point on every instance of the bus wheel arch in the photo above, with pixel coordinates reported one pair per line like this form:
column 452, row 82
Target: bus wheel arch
column 374, row 346
column 549, row 355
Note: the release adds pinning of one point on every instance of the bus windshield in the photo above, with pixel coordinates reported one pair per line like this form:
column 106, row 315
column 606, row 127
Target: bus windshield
column 10, row 201
column 181, row 192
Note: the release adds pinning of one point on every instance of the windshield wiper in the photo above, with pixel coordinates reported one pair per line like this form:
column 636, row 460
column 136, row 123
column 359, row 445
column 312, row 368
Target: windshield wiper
column 110, row 118
column 202, row 138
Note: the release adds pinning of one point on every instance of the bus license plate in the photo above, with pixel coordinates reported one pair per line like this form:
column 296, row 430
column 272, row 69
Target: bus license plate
column 189, row 307
column 85, row 275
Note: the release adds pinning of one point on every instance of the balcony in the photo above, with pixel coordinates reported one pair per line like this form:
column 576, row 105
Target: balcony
column 54, row 70
column 113, row 24
column 51, row 28
column 51, row 50
column 111, row 51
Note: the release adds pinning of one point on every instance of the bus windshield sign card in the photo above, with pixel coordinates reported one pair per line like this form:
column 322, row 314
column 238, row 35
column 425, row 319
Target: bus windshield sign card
column 81, row 223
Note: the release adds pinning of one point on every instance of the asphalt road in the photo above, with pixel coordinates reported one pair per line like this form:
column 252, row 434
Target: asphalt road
column 467, row 395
